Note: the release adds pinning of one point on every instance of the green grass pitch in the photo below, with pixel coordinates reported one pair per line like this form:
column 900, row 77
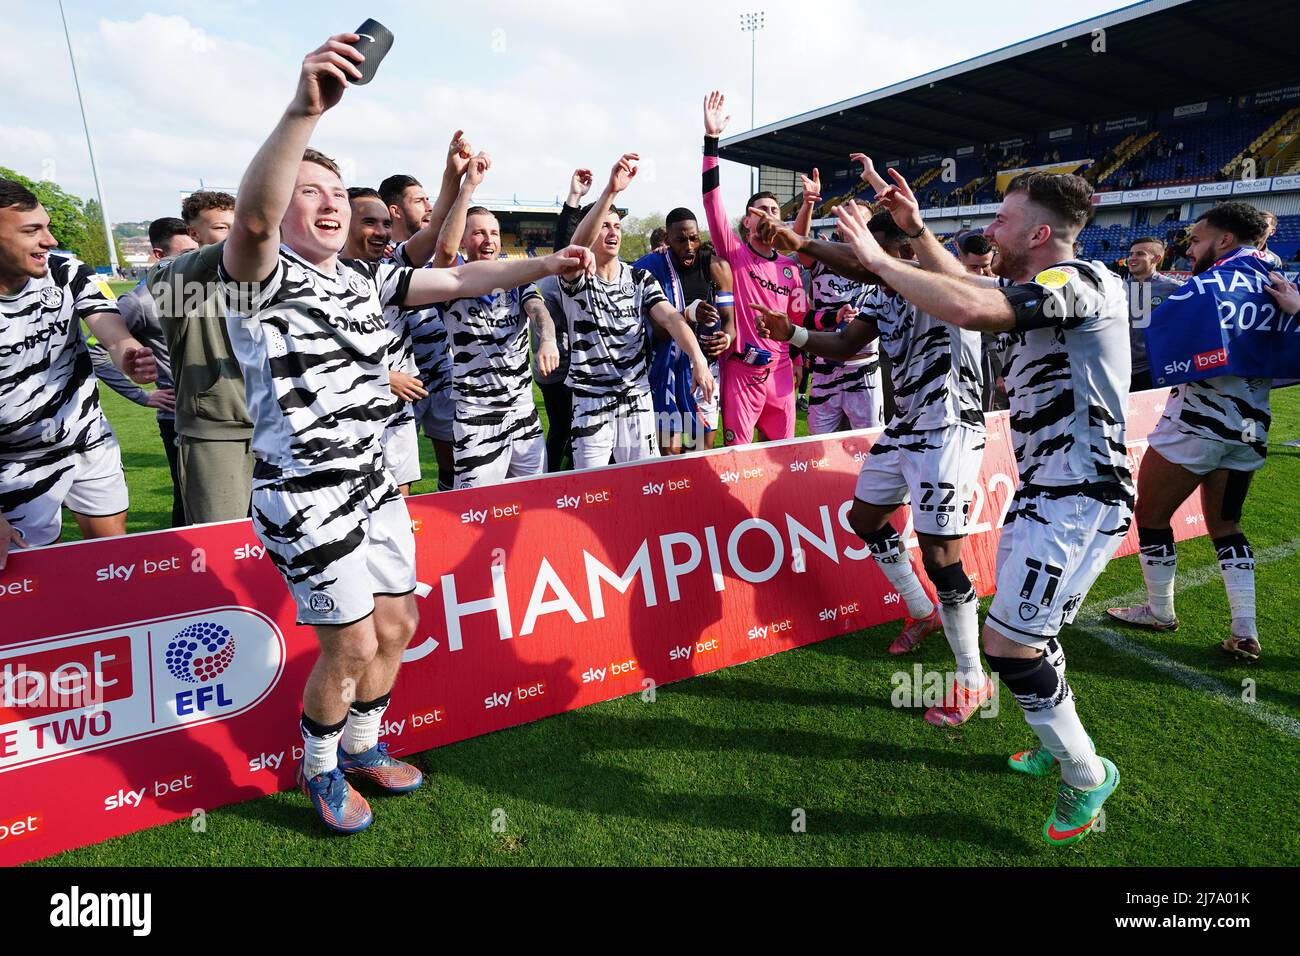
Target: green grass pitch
column 717, row 768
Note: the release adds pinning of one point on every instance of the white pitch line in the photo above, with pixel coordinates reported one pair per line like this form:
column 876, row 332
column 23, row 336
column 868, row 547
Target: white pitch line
column 1224, row 693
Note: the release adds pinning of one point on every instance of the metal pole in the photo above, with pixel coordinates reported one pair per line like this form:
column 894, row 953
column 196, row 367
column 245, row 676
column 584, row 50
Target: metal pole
column 753, row 72
column 94, row 170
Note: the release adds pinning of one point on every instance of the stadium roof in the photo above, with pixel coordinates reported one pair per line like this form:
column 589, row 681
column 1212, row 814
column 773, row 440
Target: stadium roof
column 1170, row 51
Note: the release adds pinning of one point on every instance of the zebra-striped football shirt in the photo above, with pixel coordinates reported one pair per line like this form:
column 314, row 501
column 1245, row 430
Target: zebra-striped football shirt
column 47, row 380
column 609, row 339
column 314, row 349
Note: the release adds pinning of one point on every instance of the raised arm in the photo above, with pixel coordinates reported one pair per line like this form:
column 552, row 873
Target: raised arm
column 420, row 248
column 620, row 177
column 267, row 187
column 906, row 212
column 836, row 256
column 721, row 234
column 453, row 227
column 481, row 278
column 948, row 298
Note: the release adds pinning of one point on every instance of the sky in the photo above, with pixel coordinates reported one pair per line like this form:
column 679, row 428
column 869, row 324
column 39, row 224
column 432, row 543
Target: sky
column 182, row 93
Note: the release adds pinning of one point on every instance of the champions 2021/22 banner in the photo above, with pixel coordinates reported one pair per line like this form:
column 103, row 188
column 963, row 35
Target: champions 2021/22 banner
column 146, row 677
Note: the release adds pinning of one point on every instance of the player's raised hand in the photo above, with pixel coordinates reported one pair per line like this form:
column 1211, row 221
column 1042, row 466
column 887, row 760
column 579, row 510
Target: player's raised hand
column 406, row 387
column 853, row 230
column 459, row 154
column 621, row 176
column 772, row 231
column 140, row 366
column 571, row 262
column 478, row 168
column 845, row 314
column 869, row 174
column 716, row 117
column 9, row 536
column 901, row 203
column 812, row 187
column 326, row 72
column 581, row 182
column 548, row 357
column 1284, row 293
column 772, row 324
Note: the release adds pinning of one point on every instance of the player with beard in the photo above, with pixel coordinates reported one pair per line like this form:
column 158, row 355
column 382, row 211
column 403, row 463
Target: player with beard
column 1213, row 435
column 1065, row 327
column 56, row 447
column 1147, row 288
column 975, row 253
column 497, row 429
column 848, row 391
column 757, row 373
column 609, row 350
column 699, row 285
column 929, row 453
column 372, row 225
column 311, row 338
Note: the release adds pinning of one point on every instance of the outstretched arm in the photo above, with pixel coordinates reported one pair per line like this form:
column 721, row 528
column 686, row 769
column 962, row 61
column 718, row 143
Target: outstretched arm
column 836, row 256
column 481, row 278
column 267, row 187
column 948, row 298
column 842, row 343
column 906, row 212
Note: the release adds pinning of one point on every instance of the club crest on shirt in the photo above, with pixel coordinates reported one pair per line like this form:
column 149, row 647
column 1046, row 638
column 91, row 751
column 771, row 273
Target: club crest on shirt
column 321, row 602
column 788, row 274
column 52, row 297
column 358, row 284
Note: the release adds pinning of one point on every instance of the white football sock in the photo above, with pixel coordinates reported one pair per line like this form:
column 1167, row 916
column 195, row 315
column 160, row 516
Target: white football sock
column 1237, row 565
column 1159, row 566
column 897, row 566
column 1061, row 732
column 361, row 732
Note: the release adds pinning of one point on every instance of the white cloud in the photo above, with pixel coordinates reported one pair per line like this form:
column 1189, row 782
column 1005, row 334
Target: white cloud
column 543, row 87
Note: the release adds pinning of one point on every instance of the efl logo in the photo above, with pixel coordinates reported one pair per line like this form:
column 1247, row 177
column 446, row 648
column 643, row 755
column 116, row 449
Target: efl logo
column 1211, row 359
column 95, row 689
column 201, row 653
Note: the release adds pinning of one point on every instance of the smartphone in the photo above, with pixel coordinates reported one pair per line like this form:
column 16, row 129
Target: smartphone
column 376, row 40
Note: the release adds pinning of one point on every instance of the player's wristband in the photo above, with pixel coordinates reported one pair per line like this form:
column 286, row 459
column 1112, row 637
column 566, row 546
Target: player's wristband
column 798, row 336
column 710, row 145
column 690, row 311
column 918, row 235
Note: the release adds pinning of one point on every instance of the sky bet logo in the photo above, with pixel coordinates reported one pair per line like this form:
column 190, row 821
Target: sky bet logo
column 1215, row 358
column 200, row 654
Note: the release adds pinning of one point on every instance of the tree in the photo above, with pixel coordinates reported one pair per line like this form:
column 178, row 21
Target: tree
column 636, row 235
column 67, row 215
column 93, row 251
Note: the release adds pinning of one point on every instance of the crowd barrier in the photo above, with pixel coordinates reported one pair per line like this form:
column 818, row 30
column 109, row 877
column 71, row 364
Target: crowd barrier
column 145, row 678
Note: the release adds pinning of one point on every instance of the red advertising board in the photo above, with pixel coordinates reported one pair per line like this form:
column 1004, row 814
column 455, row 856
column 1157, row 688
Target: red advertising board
column 144, row 677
